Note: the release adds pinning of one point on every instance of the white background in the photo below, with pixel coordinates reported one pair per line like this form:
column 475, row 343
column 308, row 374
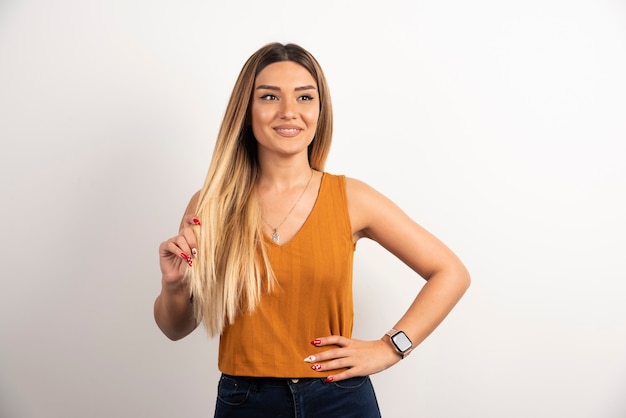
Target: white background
column 497, row 125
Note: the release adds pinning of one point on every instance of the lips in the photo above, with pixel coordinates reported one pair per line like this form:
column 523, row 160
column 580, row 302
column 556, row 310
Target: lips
column 287, row 131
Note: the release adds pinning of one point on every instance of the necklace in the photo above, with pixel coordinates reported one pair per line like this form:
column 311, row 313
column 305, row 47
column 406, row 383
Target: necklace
column 275, row 234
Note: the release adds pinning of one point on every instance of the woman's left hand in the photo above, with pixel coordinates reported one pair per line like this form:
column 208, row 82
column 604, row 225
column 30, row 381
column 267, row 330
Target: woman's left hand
column 361, row 358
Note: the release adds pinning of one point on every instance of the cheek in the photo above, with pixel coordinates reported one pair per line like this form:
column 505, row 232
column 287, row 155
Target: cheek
column 259, row 117
column 312, row 116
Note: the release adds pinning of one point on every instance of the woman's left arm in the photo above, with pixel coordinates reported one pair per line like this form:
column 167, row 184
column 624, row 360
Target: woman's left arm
column 376, row 217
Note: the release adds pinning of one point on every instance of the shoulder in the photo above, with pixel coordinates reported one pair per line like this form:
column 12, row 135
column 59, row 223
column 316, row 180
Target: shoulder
column 357, row 186
column 367, row 206
column 191, row 207
column 353, row 186
column 360, row 192
column 193, row 202
column 356, row 190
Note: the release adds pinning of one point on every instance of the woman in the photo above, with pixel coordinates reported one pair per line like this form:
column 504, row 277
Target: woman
column 265, row 249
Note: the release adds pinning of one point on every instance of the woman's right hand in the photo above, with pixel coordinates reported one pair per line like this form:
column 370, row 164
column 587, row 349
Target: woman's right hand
column 177, row 253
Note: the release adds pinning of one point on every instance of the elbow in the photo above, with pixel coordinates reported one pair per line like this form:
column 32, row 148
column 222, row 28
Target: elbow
column 455, row 274
column 173, row 333
column 173, row 336
column 170, row 327
column 465, row 279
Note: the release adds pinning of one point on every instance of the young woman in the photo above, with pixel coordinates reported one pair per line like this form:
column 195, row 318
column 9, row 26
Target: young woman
column 265, row 250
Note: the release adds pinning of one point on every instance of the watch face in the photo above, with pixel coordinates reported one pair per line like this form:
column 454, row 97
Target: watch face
column 401, row 341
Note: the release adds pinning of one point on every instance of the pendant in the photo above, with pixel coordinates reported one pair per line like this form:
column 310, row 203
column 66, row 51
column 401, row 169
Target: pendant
column 275, row 237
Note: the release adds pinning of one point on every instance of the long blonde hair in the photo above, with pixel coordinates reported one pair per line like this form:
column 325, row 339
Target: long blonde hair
column 233, row 268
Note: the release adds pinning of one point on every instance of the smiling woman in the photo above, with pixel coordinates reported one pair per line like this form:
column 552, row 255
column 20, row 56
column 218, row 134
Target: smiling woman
column 285, row 110
column 264, row 255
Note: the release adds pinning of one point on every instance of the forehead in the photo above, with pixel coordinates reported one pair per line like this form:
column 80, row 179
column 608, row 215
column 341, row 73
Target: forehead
column 287, row 74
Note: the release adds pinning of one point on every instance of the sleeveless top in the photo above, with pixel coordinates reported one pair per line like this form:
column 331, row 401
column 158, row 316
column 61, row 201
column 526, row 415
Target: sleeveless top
column 313, row 296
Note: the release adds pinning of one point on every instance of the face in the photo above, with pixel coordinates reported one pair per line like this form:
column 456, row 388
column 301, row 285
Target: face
column 285, row 109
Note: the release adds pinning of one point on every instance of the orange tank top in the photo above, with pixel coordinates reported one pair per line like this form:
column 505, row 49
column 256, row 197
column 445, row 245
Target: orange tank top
column 313, row 297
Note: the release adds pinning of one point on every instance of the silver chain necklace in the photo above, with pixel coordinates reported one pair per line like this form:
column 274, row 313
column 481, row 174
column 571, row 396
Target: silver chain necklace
column 275, row 234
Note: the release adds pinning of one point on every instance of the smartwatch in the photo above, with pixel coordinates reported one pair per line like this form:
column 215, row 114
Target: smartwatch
column 401, row 342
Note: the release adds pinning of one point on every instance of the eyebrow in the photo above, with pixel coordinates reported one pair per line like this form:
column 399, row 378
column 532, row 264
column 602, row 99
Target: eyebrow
column 266, row 87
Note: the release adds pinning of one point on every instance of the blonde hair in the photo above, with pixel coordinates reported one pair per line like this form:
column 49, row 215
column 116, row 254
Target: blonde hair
column 233, row 268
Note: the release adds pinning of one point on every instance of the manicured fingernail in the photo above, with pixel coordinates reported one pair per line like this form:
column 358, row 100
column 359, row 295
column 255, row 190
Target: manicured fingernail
column 310, row 359
column 316, row 342
column 187, row 259
column 328, row 379
column 316, row 367
column 196, row 221
column 194, row 252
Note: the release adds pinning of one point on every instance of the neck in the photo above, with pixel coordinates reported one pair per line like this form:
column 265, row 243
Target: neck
column 284, row 174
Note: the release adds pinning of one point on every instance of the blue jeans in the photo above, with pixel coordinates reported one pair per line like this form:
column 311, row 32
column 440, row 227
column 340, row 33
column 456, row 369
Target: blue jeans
column 261, row 397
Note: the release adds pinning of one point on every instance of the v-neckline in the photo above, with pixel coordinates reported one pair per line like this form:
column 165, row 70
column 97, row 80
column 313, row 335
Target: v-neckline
column 268, row 239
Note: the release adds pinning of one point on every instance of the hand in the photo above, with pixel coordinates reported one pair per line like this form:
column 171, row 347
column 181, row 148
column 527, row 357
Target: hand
column 361, row 358
column 177, row 253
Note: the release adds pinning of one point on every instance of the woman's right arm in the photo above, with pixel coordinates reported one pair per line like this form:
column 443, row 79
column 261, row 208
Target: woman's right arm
column 173, row 310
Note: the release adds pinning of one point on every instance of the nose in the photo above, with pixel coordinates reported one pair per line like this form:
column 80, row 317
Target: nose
column 288, row 110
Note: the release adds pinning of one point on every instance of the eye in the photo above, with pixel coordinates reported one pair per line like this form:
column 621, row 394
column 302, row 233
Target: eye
column 306, row 98
column 268, row 97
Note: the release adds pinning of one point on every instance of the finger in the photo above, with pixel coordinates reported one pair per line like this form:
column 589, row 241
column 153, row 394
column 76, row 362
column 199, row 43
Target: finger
column 327, row 355
column 187, row 225
column 181, row 242
column 178, row 247
column 331, row 340
column 339, row 377
column 342, row 363
column 190, row 238
column 191, row 220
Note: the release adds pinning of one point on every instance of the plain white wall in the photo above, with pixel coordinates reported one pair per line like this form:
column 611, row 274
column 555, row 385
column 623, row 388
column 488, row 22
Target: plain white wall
column 497, row 125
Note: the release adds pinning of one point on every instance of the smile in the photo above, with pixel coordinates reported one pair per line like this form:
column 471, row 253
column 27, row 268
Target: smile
column 288, row 131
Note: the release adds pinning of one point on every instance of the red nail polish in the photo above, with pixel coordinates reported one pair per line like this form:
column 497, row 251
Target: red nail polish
column 196, row 221
column 187, row 259
column 316, row 342
column 328, row 379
